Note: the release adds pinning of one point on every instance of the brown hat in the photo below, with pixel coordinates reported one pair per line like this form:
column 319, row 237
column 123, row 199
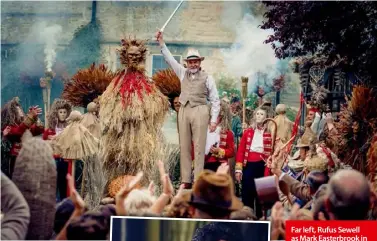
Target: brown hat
column 215, row 191
column 307, row 138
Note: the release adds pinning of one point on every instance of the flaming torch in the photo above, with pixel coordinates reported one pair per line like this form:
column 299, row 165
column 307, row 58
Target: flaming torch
column 244, row 81
column 45, row 84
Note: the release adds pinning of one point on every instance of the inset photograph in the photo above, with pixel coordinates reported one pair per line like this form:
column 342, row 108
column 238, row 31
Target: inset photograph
column 168, row 229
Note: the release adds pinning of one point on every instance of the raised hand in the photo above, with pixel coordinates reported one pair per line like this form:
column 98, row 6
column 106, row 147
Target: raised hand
column 180, row 191
column 167, row 186
column 151, row 188
column 223, row 169
column 123, row 192
column 35, row 111
column 159, row 37
column 74, row 195
column 277, row 221
column 6, row 131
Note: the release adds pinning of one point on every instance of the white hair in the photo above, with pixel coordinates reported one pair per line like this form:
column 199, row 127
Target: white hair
column 138, row 202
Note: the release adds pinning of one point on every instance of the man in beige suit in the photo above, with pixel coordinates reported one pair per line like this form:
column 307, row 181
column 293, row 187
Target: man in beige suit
column 197, row 88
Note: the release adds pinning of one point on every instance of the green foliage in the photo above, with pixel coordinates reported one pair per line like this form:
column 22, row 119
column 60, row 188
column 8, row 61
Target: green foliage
column 334, row 29
column 252, row 101
column 291, row 114
column 227, row 83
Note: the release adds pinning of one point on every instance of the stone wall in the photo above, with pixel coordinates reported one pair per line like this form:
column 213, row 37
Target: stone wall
column 19, row 18
column 207, row 26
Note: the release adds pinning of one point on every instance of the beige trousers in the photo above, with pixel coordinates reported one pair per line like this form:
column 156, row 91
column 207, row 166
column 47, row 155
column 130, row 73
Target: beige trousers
column 193, row 126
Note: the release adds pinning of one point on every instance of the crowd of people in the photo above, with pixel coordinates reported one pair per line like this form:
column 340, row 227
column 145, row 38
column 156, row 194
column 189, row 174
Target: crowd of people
column 114, row 148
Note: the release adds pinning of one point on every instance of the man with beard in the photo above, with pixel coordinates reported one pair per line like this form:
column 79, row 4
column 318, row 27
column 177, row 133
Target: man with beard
column 193, row 117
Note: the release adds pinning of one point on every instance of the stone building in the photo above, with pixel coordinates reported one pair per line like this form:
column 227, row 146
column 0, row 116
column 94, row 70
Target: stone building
column 207, row 26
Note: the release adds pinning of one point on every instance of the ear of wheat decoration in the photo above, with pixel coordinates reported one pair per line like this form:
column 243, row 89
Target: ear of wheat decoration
column 319, row 97
column 87, row 85
column 357, row 130
column 168, row 83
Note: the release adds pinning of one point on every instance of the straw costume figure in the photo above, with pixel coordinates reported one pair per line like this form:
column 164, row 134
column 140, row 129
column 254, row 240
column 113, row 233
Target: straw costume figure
column 77, row 143
column 356, row 128
column 372, row 160
column 57, row 122
column 91, row 121
column 87, row 85
column 169, row 85
column 284, row 125
column 132, row 112
column 14, row 123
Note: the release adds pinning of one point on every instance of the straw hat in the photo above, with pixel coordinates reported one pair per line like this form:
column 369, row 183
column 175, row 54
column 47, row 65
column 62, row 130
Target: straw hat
column 193, row 54
column 315, row 163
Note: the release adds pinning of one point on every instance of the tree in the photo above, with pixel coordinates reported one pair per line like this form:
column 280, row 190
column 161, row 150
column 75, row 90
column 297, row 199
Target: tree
column 228, row 84
column 337, row 30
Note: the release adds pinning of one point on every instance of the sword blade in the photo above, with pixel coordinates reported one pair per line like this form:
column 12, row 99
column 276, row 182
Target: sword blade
column 171, row 16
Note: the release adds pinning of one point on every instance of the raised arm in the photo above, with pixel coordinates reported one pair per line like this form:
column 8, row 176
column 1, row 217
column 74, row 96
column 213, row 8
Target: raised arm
column 172, row 62
column 213, row 97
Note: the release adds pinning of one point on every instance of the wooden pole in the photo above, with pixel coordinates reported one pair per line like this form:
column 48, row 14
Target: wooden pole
column 244, row 82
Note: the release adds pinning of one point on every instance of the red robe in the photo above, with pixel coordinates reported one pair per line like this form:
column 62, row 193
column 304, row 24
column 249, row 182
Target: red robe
column 17, row 131
column 48, row 132
column 244, row 154
column 226, row 144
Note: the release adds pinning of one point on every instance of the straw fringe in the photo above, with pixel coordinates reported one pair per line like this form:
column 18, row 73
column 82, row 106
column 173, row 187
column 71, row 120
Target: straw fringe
column 130, row 135
column 93, row 182
column 75, row 142
column 91, row 122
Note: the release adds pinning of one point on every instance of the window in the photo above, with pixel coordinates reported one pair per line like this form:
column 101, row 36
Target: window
column 158, row 62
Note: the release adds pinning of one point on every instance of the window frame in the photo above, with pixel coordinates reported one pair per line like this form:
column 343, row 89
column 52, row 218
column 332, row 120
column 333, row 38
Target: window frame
column 151, row 61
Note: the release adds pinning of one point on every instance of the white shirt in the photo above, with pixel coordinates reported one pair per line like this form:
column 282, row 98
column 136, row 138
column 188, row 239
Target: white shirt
column 212, row 139
column 58, row 130
column 257, row 142
column 213, row 95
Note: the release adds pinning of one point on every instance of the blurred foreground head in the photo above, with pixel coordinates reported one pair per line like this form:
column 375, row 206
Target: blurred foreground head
column 213, row 196
column 348, row 196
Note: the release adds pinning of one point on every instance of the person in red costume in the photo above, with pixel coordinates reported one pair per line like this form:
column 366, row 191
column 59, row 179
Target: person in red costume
column 14, row 123
column 57, row 121
column 220, row 143
column 255, row 147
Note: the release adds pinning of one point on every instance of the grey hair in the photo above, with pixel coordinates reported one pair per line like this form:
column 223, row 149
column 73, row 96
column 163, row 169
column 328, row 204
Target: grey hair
column 138, row 202
column 351, row 203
